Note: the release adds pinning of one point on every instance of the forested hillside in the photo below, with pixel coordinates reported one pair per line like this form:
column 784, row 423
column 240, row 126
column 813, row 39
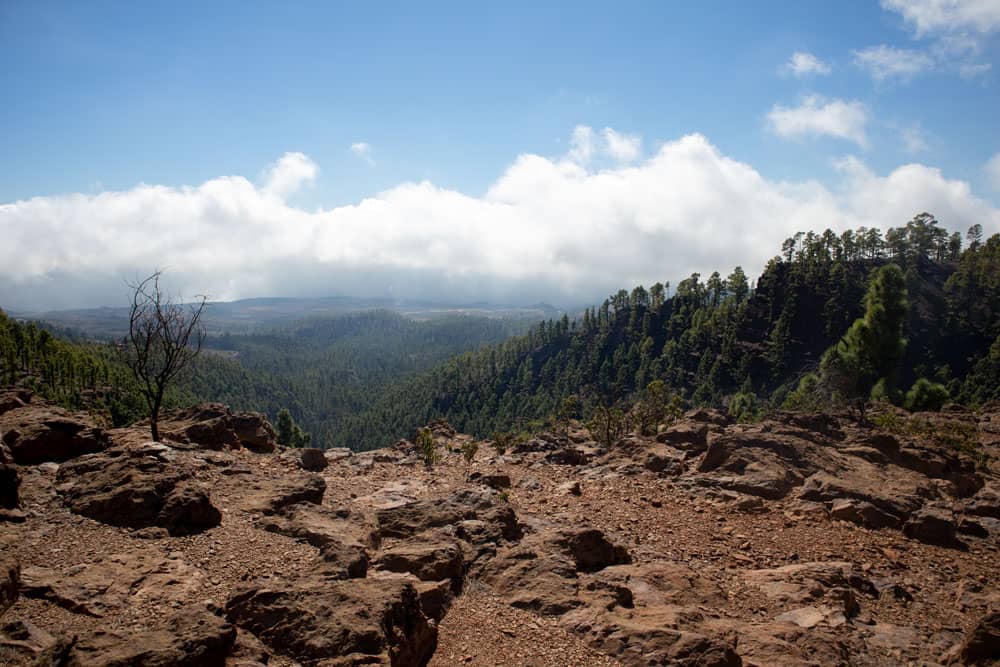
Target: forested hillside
column 325, row 371
column 321, row 370
column 716, row 338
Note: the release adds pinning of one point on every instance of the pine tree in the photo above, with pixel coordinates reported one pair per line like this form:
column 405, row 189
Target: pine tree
column 870, row 351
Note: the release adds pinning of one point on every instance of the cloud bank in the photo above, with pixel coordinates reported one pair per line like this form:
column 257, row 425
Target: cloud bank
column 548, row 228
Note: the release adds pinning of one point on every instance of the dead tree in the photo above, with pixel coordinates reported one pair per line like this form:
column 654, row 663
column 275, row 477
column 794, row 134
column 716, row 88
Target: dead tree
column 164, row 337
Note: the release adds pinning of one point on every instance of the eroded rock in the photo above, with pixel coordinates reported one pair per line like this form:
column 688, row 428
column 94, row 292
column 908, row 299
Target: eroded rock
column 46, row 433
column 313, row 618
column 192, row 638
column 134, row 489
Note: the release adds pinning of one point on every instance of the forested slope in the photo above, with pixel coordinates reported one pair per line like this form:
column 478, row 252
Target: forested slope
column 322, row 370
column 716, row 338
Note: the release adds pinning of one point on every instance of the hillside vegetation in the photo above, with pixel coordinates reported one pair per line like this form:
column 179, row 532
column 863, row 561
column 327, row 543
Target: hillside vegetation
column 717, row 339
column 366, row 379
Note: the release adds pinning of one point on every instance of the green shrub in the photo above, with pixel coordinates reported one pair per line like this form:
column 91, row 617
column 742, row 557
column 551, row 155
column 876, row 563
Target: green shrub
column 427, row 447
column 925, row 395
column 469, row 450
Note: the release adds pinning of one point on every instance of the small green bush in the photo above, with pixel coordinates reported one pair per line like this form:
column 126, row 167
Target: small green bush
column 427, row 447
column 925, row 395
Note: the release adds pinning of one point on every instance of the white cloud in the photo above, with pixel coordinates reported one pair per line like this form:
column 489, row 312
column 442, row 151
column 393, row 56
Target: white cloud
column 817, row 116
column 581, row 144
column 935, row 16
column 974, row 70
column 956, row 29
column 622, row 147
column 992, row 169
column 547, row 228
column 886, row 62
column 289, row 173
column 803, row 64
column 586, row 145
column 914, row 139
column 364, row 151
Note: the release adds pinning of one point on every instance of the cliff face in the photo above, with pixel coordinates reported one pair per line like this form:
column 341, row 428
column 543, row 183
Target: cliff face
column 801, row 540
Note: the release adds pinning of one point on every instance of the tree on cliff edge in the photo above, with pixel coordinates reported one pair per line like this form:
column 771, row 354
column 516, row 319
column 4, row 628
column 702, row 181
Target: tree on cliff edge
column 163, row 339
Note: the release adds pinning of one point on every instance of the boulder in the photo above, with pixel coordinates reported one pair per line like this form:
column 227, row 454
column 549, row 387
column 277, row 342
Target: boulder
column 414, row 517
column 24, row 640
column 269, row 496
column 13, row 399
column 654, row 613
column 982, row 643
column 312, row 618
column 134, row 489
column 862, row 513
column 589, row 548
column 324, row 526
column 430, row 556
column 215, row 426
column 494, row 480
column 345, row 560
column 984, row 503
column 188, row 509
column 10, row 582
column 193, row 638
column 114, row 582
column 254, row 432
column 44, row 433
column 312, row 459
column 542, row 573
column 933, row 525
column 892, row 495
column 10, row 482
column 691, row 437
column 709, row 416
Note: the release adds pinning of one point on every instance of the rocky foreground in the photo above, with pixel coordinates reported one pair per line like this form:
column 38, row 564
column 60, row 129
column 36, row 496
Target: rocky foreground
column 802, row 540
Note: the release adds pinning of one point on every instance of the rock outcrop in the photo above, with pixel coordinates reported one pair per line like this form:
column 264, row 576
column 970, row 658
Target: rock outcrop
column 361, row 621
column 137, row 488
column 193, row 638
column 47, row 433
column 800, row 540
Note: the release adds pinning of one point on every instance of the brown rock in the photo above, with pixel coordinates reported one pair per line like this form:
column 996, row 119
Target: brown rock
column 24, row 639
column 497, row 481
column 430, row 556
column 192, row 638
column 313, row 618
column 10, row 582
column 312, row 459
column 42, row 433
column 114, row 582
column 688, row 436
column 323, row 526
column 133, row 489
column 269, row 496
column 983, row 641
column 10, row 482
column 933, row 525
column 254, row 432
column 414, row 517
column 862, row 513
column 13, row 399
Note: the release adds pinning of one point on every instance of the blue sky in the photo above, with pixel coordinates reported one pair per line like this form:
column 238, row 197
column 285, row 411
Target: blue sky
column 107, row 101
